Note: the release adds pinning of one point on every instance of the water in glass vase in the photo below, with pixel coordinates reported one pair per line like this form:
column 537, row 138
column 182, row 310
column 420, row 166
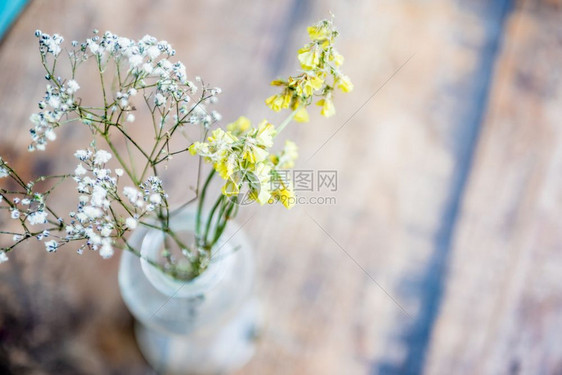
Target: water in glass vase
column 207, row 325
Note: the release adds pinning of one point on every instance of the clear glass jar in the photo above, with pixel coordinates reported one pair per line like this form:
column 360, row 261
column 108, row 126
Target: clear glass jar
column 204, row 326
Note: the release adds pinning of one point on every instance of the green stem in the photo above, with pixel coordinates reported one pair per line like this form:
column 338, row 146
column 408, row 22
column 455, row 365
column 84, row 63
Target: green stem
column 226, row 218
column 121, row 161
column 200, row 240
column 211, row 214
column 287, row 121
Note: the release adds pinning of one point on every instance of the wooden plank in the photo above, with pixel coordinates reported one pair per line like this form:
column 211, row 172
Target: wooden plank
column 501, row 312
column 401, row 160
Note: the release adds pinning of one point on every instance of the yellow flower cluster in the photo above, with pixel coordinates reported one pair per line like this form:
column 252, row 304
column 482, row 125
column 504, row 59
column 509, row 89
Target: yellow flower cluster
column 319, row 61
column 241, row 156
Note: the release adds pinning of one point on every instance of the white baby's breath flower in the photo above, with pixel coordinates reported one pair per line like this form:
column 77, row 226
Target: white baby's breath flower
column 98, row 196
column 101, row 173
column 15, row 214
column 106, row 250
column 50, row 134
column 101, row 157
column 159, row 100
column 37, row 217
column 49, row 44
column 82, row 217
column 132, row 194
column 72, row 86
column 54, row 101
column 51, row 246
column 155, row 199
column 130, row 117
column 119, row 172
column 83, row 154
column 131, row 223
column 80, row 170
column 106, row 231
column 92, row 212
column 94, row 238
column 3, row 172
column 147, row 68
column 3, row 256
column 94, row 47
column 153, row 52
column 135, row 60
column 216, row 116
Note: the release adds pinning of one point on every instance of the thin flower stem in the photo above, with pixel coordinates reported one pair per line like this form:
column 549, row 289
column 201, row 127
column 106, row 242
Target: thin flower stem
column 227, row 216
column 121, row 161
column 286, row 122
column 211, row 214
column 200, row 240
column 132, row 141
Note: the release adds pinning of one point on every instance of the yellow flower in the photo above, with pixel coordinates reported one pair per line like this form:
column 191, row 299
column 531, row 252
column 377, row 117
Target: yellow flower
column 239, row 126
column 199, row 148
column 277, row 82
column 327, row 105
column 225, row 165
column 308, row 84
column 265, row 133
column 219, row 138
column 253, row 152
column 319, row 32
column 285, row 195
column 277, row 102
column 231, row 187
column 309, row 56
column 345, row 84
column 260, row 183
column 301, row 115
column 336, row 58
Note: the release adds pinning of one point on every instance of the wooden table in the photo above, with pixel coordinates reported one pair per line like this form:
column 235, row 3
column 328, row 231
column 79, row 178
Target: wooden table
column 442, row 253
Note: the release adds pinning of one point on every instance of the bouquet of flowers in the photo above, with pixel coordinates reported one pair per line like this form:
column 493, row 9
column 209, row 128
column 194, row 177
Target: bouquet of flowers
column 120, row 188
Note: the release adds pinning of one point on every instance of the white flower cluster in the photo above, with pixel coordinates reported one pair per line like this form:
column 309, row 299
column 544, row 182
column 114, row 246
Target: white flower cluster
column 58, row 102
column 96, row 218
column 150, row 196
column 93, row 220
column 31, row 210
column 49, row 44
column 105, row 212
column 147, row 58
column 148, row 66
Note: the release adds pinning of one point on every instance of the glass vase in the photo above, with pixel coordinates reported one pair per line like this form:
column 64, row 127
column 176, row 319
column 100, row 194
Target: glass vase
column 207, row 325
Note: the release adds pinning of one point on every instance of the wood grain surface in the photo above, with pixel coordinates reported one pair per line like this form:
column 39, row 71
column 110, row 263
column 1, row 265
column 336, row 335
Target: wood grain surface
column 442, row 252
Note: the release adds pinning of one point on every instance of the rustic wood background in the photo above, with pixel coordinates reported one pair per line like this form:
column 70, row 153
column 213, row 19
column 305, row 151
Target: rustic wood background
column 442, row 254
